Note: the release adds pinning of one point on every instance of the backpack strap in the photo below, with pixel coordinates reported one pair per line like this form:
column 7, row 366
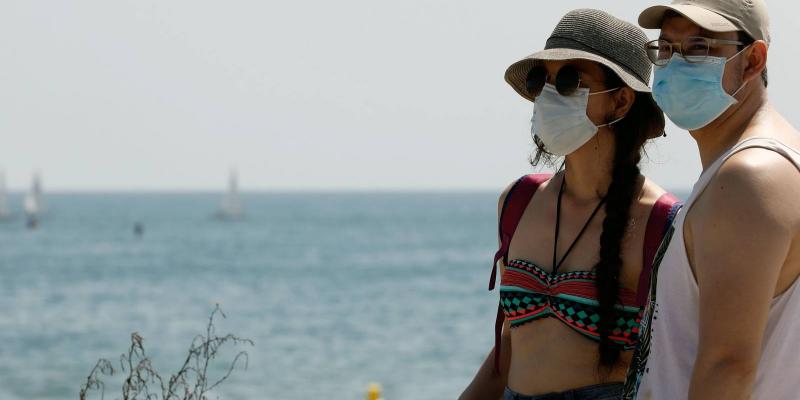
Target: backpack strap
column 514, row 206
column 658, row 224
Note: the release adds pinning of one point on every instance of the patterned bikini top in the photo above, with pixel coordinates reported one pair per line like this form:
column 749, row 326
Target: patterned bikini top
column 528, row 292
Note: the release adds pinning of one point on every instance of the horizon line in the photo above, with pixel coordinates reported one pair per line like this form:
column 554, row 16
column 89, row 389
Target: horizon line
column 284, row 190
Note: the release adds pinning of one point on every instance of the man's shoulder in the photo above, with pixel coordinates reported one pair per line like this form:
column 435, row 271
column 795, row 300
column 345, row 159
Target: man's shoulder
column 767, row 168
column 758, row 182
column 758, row 164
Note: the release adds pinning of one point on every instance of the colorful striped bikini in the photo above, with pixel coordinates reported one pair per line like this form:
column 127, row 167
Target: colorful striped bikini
column 529, row 293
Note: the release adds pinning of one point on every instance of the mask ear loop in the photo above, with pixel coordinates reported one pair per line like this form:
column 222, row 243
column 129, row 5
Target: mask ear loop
column 612, row 122
column 743, row 83
column 605, row 91
column 738, row 90
column 597, row 137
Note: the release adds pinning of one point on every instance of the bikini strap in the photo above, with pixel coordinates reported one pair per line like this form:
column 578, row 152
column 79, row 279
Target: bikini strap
column 514, row 206
column 661, row 217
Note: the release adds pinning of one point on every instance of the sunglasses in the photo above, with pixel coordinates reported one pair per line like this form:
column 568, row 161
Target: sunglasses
column 567, row 80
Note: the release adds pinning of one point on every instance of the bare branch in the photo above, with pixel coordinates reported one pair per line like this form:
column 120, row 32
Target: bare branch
column 190, row 382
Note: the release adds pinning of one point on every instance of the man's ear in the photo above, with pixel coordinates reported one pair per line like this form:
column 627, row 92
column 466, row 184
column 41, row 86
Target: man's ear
column 623, row 100
column 756, row 60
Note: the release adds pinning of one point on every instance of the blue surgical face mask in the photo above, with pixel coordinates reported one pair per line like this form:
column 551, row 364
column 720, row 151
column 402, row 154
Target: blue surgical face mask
column 691, row 93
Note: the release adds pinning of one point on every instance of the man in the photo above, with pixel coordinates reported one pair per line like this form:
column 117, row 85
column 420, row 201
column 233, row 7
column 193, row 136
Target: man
column 724, row 316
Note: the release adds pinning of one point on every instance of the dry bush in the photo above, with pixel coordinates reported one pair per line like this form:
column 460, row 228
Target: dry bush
column 191, row 382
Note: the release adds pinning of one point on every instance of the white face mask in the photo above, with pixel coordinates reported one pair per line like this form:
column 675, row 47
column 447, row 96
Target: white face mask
column 561, row 121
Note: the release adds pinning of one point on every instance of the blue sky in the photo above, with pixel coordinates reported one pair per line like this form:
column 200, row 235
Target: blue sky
column 353, row 94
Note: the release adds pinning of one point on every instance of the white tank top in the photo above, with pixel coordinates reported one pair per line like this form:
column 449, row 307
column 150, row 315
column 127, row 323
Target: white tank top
column 674, row 324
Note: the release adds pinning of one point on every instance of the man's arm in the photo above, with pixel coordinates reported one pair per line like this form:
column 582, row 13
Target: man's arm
column 741, row 231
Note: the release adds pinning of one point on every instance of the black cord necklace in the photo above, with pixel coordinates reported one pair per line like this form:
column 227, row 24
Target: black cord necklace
column 556, row 265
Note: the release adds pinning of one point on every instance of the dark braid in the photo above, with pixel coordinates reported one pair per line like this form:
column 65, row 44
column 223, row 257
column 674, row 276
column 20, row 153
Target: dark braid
column 621, row 193
column 631, row 133
column 642, row 120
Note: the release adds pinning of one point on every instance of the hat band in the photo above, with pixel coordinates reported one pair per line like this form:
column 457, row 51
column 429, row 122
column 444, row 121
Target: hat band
column 560, row 42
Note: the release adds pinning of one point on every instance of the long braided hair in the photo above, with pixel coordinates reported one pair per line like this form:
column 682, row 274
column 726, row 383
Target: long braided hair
column 643, row 120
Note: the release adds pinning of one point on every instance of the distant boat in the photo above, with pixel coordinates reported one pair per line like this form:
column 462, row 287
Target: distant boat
column 5, row 211
column 34, row 202
column 138, row 230
column 231, row 206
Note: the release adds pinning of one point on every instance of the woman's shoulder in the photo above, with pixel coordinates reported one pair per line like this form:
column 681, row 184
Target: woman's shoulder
column 650, row 195
column 651, row 192
column 541, row 179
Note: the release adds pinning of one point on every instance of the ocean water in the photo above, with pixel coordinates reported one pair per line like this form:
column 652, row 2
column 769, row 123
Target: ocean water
column 336, row 291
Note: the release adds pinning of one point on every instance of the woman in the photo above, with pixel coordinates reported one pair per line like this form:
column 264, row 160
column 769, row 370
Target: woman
column 577, row 247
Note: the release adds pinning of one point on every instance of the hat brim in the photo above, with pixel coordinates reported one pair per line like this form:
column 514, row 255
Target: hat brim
column 652, row 17
column 517, row 73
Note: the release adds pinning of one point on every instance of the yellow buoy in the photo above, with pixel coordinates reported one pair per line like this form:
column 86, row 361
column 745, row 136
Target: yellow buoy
column 374, row 392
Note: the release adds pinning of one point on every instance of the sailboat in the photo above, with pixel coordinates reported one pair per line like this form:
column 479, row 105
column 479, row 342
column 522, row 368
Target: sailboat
column 231, row 206
column 34, row 203
column 5, row 212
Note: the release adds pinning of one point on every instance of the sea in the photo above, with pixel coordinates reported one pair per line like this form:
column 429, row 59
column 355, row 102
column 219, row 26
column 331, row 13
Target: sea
column 336, row 291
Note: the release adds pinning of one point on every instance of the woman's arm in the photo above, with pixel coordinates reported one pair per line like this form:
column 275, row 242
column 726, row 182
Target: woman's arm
column 488, row 385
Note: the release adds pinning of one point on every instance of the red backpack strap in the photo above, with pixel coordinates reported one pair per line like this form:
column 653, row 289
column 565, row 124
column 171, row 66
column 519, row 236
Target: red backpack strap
column 514, row 206
column 658, row 224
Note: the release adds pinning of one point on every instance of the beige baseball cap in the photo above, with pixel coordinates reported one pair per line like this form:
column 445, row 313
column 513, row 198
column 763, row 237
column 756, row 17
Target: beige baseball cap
column 749, row 16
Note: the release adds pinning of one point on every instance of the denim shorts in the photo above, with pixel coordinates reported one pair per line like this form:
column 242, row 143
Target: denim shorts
column 607, row 391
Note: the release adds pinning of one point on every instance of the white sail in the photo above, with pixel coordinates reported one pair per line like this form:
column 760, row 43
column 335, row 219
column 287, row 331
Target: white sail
column 5, row 211
column 34, row 202
column 30, row 205
column 231, row 206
